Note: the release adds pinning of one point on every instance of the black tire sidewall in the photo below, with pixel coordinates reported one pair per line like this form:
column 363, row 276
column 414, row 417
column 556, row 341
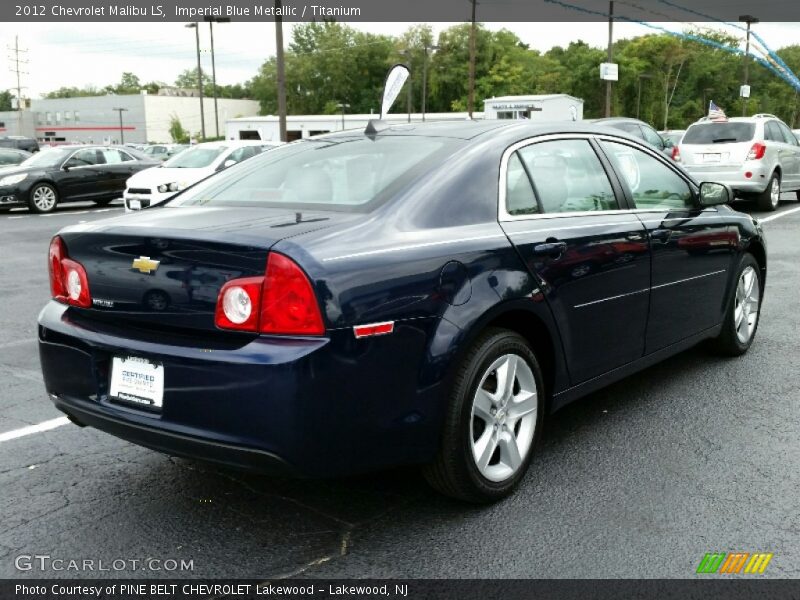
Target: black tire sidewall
column 764, row 199
column 728, row 335
column 502, row 342
column 31, row 203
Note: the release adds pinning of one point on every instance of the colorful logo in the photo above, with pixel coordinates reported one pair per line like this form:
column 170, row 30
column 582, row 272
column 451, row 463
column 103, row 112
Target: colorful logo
column 732, row 563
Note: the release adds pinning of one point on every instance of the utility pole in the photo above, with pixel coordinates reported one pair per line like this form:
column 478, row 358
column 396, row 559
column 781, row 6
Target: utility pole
column 471, row 91
column 749, row 19
column 15, row 59
column 639, row 94
column 196, row 27
column 281, row 70
column 121, row 131
column 211, row 21
column 610, row 54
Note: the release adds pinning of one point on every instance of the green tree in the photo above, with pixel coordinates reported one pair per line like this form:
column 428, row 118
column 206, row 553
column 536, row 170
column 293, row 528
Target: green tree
column 5, row 100
column 176, row 131
column 188, row 79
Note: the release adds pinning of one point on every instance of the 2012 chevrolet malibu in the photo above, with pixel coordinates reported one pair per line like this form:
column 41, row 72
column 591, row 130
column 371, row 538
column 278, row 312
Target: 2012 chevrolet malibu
column 417, row 294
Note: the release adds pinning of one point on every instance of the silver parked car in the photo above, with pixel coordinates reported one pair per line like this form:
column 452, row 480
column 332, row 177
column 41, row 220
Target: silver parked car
column 758, row 156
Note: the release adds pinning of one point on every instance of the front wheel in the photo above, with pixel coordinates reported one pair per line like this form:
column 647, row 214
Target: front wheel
column 741, row 318
column 494, row 418
column 771, row 196
column 43, row 198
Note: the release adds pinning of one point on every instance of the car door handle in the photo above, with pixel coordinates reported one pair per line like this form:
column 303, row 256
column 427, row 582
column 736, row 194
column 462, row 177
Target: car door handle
column 550, row 248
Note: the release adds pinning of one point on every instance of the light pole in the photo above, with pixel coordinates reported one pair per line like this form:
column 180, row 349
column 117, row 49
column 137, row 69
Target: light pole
column 610, row 54
column 425, row 78
column 639, row 94
column 342, row 105
column 749, row 19
column 211, row 20
column 471, row 88
column 199, row 79
column 280, row 70
column 407, row 54
column 121, row 131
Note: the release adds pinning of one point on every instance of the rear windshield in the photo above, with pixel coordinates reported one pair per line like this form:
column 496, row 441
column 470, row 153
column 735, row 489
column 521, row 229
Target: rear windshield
column 719, row 133
column 347, row 174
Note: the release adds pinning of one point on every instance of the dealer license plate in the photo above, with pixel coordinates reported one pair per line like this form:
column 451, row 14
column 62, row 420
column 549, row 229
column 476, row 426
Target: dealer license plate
column 712, row 158
column 134, row 203
column 138, row 381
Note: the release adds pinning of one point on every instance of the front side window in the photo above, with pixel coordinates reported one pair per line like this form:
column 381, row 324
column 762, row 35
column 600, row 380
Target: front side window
column 568, row 176
column 651, row 183
column 83, row 158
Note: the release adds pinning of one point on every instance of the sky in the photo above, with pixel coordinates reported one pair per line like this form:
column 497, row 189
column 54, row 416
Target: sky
column 80, row 54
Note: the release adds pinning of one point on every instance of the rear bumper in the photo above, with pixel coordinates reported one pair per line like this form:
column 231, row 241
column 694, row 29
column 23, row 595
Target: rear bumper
column 734, row 176
column 309, row 407
column 175, row 444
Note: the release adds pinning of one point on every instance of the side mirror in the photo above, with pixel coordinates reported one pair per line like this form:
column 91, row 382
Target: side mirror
column 667, row 142
column 713, row 194
column 228, row 163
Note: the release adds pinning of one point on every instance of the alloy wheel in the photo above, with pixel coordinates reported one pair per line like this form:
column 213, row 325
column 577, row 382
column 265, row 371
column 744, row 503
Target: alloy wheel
column 748, row 295
column 775, row 191
column 504, row 417
column 44, row 198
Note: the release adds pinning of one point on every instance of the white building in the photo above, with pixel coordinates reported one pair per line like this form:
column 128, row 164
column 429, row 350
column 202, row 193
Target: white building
column 548, row 107
column 543, row 107
column 303, row 126
column 145, row 118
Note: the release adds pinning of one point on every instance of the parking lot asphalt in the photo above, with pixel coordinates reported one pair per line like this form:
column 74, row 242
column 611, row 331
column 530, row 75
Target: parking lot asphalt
column 697, row 454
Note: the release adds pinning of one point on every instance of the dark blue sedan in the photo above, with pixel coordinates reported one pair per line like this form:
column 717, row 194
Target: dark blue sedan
column 420, row 294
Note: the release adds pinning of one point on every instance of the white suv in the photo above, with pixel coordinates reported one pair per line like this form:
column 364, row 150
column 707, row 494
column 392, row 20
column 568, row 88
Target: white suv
column 757, row 156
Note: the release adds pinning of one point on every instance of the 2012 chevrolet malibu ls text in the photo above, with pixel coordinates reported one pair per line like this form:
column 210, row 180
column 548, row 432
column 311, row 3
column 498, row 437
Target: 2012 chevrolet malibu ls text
column 419, row 294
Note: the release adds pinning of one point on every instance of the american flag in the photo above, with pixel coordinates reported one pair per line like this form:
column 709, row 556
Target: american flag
column 716, row 114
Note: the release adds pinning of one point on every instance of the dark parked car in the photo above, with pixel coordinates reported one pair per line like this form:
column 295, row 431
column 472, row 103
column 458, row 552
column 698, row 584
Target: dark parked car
column 70, row 173
column 643, row 131
column 419, row 294
column 20, row 143
column 10, row 157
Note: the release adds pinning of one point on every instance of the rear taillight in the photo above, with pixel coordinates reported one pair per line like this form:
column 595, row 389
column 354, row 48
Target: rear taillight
column 676, row 154
column 68, row 281
column 282, row 302
column 757, row 151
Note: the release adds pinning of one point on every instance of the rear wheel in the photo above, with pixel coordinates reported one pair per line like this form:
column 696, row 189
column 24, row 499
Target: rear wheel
column 43, row 198
column 771, row 196
column 741, row 319
column 494, row 418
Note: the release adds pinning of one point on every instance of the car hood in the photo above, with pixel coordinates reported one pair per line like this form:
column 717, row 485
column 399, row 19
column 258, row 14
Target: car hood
column 14, row 170
column 158, row 175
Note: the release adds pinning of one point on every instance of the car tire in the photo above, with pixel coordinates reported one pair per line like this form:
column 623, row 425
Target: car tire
column 769, row 199
column 743, row 310
column 502, row 426
column 43, row 198
column 103, row 201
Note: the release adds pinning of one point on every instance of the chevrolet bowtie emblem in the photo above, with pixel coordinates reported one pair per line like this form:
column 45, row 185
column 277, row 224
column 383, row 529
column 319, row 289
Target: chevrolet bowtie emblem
column 145, row 265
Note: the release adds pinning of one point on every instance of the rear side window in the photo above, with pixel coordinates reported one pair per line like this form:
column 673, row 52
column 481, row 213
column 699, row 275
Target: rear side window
column 520, row 199
column 353, row 173
column 788, row 136
column 568, row 176
column 719, row 133
column 772, row 132
column 653, row 138
column 632, row 128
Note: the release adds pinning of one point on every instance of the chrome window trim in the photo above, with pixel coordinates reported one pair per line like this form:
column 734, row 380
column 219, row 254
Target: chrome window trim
column 502, row 213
